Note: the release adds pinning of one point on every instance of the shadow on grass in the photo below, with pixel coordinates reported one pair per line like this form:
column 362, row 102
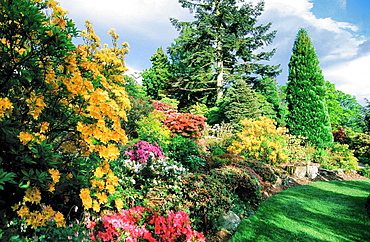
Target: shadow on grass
column 322, row 211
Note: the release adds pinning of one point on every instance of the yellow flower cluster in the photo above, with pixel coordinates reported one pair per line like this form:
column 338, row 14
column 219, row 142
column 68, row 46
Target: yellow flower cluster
column 37, row 219
column 261, row 139
column 32, row 195
column 55, row 176
column 35, row 104
column 6, row 107
column 103, row 184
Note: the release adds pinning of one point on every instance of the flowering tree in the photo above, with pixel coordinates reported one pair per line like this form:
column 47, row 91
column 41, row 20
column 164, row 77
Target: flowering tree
column 61, row 113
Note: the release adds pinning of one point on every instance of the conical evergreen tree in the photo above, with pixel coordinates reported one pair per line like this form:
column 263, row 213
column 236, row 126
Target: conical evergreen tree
column 156, row 78
column 308, row 114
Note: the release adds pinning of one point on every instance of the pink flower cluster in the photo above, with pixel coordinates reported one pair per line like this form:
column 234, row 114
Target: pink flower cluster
column 135, row 223
column 142, row 151
column 166, row 108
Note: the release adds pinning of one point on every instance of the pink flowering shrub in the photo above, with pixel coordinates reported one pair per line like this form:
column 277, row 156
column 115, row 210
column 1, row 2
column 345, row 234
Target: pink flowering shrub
column 143, row 223
column 142, row 151
column 166, row 108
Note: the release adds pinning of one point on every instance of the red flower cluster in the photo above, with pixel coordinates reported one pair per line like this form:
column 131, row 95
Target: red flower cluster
column 186, row 124
column 136, row 223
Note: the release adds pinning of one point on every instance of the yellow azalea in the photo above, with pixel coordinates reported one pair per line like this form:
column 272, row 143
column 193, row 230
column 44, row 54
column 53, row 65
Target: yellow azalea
column 35, row 219
column 51, row 187
column 100, row 184
column 25, row 137
column 69, row 176
column 44, row 127
column 23, row 212
column 35, row 104
column 119, row 203
column 6, row 107
column 111, row 189
column 86, row 198
column 96, row 206
column 102, row 197
column 32, row 195
column 59, row 219
column 55, row 175
column 48, row 212
column 99, row 172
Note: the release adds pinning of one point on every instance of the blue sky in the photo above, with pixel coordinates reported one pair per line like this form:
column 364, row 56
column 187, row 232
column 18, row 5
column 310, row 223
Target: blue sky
column 339, row 29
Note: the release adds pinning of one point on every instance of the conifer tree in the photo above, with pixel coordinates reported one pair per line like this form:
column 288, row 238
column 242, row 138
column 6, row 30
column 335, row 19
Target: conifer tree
column 307, row 111
column 268, row 88
column 218, row 47
column 156, row 78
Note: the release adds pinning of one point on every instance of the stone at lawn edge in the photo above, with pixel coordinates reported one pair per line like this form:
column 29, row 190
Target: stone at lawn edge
column 312, row 172
column 229, row 221
column 297, row 171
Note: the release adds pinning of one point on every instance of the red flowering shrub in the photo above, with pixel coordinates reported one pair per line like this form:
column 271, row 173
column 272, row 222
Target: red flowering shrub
column 139, row 222
column 186, row 124
column 339, row 135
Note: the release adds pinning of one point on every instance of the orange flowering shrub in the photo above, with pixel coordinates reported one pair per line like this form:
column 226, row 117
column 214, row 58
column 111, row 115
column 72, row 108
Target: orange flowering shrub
column 261, row 139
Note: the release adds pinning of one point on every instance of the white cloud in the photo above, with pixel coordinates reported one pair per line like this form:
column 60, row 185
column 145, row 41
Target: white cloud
column 337, row 44
column 352, row 77
column 144, row 17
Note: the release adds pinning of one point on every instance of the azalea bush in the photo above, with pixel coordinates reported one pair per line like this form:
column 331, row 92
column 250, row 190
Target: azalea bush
column 61, row 112
column 262, row 140
column 186, row 124
column 140, row 223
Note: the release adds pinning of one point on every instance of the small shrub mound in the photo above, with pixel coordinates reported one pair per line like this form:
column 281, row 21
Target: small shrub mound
column 241, row 180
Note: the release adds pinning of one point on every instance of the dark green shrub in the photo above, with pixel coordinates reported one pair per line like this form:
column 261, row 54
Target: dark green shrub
column 360, row 143
column 185, row 151
column 241, row 180
column 365, row 171
column 204, row 197
column 262, row 169
column 140, row 107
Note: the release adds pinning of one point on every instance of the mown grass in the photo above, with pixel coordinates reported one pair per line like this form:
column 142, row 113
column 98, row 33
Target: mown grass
column 321, row 211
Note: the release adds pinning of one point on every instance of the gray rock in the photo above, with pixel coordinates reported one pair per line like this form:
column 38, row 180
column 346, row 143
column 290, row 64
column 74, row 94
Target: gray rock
column 312, row 172
column 229, row 221
column 297, row 171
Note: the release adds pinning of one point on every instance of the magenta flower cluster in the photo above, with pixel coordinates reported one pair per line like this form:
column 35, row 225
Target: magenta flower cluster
column 142, row 151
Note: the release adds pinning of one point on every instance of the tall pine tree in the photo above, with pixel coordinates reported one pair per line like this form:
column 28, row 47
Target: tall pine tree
column 157, row 77
column 220, row 46
column 308, row 114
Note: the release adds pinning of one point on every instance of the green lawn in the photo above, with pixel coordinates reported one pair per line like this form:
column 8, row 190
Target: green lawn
column 321, row 211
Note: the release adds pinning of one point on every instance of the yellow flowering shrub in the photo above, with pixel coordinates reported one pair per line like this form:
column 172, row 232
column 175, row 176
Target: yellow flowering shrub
column 262, row 140
column 61, row 109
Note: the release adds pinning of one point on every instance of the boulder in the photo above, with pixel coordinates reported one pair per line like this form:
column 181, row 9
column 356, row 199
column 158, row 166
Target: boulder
column 297, row 171
column 229, row 221
column 312, row 172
